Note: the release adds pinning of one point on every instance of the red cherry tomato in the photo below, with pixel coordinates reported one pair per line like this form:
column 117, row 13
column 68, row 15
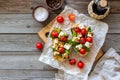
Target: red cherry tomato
column 82, row 51
column 63, row 38
column 54, row 34
column 89, row 39
column 80, row 64
column 72, row 61
column 83, row 31
column 77, row 29
column 60, row 19
column 82, row 40
column 39, row 45
column 61, row 50
column 71, row 17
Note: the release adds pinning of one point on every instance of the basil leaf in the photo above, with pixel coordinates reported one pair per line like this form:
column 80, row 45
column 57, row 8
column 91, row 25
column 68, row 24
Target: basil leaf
column 73, row 33
column 86, row 48
column 89, row 29
column 54, row 49
column 67, row 51
column 75, row 49
column 58, row 30
column 69, row 41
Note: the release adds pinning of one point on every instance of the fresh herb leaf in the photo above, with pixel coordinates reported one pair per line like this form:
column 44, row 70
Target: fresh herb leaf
column 75, row 49
column 86, row 48
column 54, row 49
column 67, row 51
column 69, row 41
column 58, row 30
column 89, row 29
column 74, row 43
column 73, row 33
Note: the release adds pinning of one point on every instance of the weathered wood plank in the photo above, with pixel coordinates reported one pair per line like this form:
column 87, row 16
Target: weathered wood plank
column 18, row 42
column 20, row 23
column 81, row 6
column 26, row 42
column 24, row 23
column 26, row 74
column 112, row 40
column 23, row 62
column 24, row 6
column 26, row 78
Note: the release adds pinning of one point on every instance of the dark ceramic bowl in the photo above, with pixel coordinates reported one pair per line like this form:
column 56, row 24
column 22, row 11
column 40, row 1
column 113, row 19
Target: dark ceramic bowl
column 54, row 4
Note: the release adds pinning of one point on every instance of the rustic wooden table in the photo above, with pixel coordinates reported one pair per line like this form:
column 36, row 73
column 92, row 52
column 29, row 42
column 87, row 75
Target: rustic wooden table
column 18, row 36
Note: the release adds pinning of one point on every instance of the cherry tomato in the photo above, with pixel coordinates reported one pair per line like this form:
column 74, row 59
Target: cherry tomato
column 82, row 51
column 61, row 50
column 80, row 64
column 71, row 17
column 83, row 31
column 77, row 29
column 82, row 40
column 72, row 61
column 39, row 45
column 89, row 39
column 54, row 34
column 63, row 38
column 60, row 19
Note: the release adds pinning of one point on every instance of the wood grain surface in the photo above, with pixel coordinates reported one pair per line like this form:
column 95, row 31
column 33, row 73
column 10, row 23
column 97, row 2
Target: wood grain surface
column 18, row 35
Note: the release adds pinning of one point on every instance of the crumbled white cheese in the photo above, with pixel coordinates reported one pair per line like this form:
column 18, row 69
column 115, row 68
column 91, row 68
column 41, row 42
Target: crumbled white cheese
column 67, row 46
column 53, row 46
column 74, row 38
column 56, row 41
column 89, row 34
column 61, row 34
column 81, row 26
column 87, row 44
column 79, row 46
column 79, row 35
column 56, row 53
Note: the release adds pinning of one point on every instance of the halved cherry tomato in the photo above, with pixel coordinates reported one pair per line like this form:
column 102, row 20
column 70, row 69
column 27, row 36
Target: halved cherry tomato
column 71, row 17
column 60, row 19
column 89, row 39
column 82, row 40
column 61, row 50
column 83, row 31
column 54, row 34
column 77, row 29
column 82, row 51
column 63, row 38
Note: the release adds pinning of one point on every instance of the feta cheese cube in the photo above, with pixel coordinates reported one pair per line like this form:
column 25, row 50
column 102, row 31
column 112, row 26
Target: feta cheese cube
column 87, row 44
column 67, row 46
column 78, row 46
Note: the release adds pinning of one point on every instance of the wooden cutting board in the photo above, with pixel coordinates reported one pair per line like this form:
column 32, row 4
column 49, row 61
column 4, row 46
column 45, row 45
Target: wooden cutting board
column 45, row 31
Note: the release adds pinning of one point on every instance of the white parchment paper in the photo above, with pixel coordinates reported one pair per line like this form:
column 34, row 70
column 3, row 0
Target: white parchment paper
column 99, row 28
column 107, row 68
